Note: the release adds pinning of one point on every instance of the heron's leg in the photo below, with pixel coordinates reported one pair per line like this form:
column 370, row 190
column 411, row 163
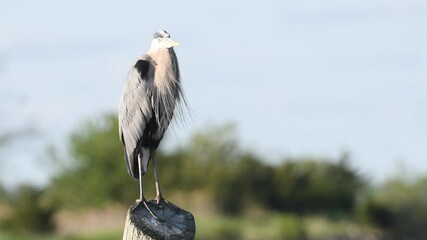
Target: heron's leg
column 156, row 176
column 141, row 187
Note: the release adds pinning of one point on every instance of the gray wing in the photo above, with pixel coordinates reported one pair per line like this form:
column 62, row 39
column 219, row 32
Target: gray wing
column 134, row 112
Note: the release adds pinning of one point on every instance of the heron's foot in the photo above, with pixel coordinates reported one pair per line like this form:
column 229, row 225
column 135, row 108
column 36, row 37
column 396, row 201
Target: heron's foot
column 159, row 199
column 144, row 201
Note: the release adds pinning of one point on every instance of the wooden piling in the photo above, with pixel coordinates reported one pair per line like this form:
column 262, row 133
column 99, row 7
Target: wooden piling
column 152, row 221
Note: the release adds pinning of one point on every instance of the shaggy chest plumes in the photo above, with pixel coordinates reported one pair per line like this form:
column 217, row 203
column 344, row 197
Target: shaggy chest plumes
column 164, row 73
column 166, row 86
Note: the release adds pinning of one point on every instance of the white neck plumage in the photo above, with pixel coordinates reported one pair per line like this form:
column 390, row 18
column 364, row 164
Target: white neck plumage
column 166, row 81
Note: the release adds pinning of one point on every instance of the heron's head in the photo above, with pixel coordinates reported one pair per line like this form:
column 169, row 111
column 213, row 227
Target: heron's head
column 162, row 39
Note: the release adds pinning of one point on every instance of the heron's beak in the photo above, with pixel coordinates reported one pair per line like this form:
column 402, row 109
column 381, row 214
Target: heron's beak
column 173, row 43
column 168, row 43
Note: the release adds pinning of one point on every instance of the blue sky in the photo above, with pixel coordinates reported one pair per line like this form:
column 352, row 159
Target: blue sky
column 297, row 77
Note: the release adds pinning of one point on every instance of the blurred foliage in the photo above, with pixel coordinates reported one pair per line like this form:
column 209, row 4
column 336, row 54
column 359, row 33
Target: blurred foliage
column 270, row 226
column 93, row 174
column 97, row 173
column 8, row 136
column 292, row 228
column 307, row 185
column 242, row 184
column 29, row 213
column 2, row 193
column 399, row 207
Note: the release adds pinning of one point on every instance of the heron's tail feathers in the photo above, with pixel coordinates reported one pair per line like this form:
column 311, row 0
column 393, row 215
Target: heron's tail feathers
column 134, row 167
column 145, row 160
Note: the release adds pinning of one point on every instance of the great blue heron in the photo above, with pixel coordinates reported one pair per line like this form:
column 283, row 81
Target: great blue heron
column 152, row 94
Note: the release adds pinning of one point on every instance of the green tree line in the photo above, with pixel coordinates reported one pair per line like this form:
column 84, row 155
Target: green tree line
column 213, row 162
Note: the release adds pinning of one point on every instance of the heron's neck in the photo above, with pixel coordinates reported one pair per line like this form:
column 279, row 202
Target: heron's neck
column 164, row 74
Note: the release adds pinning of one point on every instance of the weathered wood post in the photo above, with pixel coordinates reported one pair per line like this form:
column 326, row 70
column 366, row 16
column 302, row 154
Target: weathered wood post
column 169, row 222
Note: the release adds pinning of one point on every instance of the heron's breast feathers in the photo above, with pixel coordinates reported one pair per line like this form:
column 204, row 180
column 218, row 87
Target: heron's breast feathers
column 151, row 96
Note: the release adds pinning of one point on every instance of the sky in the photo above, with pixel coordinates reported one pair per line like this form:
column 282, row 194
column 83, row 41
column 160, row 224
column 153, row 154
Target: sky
column 298, row 78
